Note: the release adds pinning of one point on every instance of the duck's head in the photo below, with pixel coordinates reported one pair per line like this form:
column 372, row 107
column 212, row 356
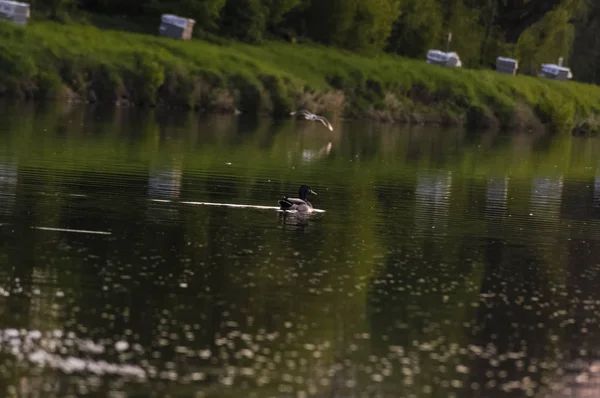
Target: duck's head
column 304, row 191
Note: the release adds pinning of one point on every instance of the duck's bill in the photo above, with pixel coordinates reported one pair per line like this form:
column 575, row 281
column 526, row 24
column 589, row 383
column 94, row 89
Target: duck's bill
column 312, row 192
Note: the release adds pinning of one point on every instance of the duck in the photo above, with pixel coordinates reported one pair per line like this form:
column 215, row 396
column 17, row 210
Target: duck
column 299, row 204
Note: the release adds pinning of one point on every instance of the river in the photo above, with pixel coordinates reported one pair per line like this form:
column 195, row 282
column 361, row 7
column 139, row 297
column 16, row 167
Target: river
column 142, row 255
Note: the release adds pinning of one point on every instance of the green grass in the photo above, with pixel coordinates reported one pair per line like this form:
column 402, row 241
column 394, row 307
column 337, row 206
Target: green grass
column 53, row 60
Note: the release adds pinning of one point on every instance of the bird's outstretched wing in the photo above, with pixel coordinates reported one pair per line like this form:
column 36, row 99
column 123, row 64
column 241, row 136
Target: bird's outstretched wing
column 301, row 112
column 325, row 122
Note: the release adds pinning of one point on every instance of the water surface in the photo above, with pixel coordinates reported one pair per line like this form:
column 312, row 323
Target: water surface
column 141, row 255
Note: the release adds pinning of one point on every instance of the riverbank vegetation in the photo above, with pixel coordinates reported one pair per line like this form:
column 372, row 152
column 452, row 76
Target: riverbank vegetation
column 533, row 31
column 348, row 66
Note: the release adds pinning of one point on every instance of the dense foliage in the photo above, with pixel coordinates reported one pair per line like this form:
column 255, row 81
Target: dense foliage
column 79, row 62
column 534, row 31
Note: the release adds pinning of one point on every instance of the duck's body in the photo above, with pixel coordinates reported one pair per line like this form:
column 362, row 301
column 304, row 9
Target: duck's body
column 299, row 204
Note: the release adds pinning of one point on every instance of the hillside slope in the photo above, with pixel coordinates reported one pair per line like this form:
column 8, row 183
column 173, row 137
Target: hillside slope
column 48, row 60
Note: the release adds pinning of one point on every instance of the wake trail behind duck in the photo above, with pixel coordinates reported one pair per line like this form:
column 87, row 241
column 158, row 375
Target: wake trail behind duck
column 230, row 205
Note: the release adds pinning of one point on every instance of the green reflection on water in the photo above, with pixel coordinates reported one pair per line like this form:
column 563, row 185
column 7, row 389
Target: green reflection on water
column 434, row 244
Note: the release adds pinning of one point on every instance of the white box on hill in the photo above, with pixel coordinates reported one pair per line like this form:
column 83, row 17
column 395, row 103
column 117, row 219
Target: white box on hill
column 14, row 11
column 176, row 27
column 553, row 71
column 507, row 65
column 437, row 57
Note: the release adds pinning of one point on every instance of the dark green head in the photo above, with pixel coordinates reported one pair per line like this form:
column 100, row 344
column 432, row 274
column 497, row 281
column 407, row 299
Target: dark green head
column 305, row 190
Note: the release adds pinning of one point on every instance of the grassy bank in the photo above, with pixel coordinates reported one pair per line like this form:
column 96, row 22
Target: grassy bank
column 48, row 60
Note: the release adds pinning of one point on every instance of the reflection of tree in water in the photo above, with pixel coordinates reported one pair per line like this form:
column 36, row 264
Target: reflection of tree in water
column 230, row 297
column 513, row 325
column 421, row 298
column 534, row 319
column 423, row 288
column 580, row 341
column 74, row 272
column 417, row 305
column 578, row 200
column 30, row 284
column 180, row 290
column 436, row 146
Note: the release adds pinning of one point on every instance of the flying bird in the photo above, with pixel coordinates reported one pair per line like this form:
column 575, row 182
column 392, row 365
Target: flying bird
column 311, row 116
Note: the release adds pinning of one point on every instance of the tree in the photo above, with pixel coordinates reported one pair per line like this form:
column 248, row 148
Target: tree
column 362, row 25
column 585, row 60
column 244, row 20
column 515, row 16
column 329, row 21
column 417, row 29
column 482, row 29
column 372, row 25
column 115, row 7
column 54, row 7
column 468, row 33
column 277, row 9
column 546, row 41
